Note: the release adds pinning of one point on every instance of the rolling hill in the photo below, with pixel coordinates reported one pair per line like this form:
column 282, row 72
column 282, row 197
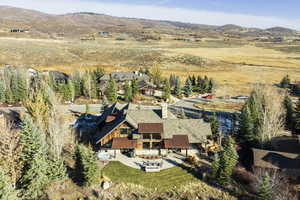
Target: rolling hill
column 78, row 24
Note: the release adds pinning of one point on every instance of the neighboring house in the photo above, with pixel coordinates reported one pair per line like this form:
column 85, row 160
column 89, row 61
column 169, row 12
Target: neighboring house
column 146, row 88
column 125, row 76
column 288, row 163
column 141, row 131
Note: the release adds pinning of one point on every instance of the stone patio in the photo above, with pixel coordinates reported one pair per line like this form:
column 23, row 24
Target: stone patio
column 169, row 161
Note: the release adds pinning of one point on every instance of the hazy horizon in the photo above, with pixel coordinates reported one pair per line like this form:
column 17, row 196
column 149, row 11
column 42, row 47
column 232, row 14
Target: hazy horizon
column 191, row 11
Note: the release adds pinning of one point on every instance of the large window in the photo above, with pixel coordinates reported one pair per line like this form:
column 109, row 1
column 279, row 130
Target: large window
column 156, row 136
column 146, row 145
column 156, row 145
column 125, row 131
column 146, row 136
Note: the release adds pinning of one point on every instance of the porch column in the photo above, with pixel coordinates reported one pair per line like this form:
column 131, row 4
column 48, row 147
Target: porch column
column 115, row 153
column 186, row 152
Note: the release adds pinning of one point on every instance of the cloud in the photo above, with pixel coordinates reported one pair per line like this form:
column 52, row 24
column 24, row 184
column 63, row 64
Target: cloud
column 153, row 12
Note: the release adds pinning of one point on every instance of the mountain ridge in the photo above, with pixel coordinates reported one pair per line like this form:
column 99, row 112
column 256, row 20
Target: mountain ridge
column 88, row 22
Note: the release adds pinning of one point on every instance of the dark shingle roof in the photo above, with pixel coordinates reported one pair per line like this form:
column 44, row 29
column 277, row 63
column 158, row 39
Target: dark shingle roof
column 123, row 143
column 150, row 128
column 177, row 142
column 276, row 160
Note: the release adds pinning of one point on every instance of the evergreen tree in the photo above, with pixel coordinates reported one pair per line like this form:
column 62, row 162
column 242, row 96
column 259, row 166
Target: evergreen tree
column 172, row 80
column 22, row 87
column 228, row 161
column 2, row 92
column 265, row 189
column 188, row 89
column 112, row 90
column 9, row 96
column 214, row 124
column 178, row 88
column 86, row 165
column 215, row 166
column 297, row 117
column 34, row 158
column 7, row 190
column 285, row 82
column 135, row 89
column 72, row 91
column 211, row 86
column 167, row 91
column 94, row 85
column 77, row 83
column 128, row 92
column 246, row 125
column 35, row 179
column 289, row 109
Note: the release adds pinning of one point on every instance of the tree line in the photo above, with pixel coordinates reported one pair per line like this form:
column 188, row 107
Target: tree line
column 15, row 84
column 33, row 156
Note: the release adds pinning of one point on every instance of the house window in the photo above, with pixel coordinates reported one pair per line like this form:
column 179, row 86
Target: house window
column 146, row 136
column 156, row 136
column 156, row 145
column 146, row 145
column 125, row 131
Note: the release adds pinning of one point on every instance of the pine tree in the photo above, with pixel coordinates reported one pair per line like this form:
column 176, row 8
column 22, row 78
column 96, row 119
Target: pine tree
column 285, row 82
column 14, row 87
column 112, row 90
column 35, row 179
column 215, row 166
column 297, row 117
column 178, row 88
column 228, row 161
column 86, row 165
column 77, row 83
column 246, row 125
column 135, row 89
column 265, row 189
column 289, row 109
column 211, row 86
column 34, row 158
column 188, row 89
column 2, row 91
column 128, row 92
column 167, row 91
column 214, row 124
column 7, row 190
column 9, row 96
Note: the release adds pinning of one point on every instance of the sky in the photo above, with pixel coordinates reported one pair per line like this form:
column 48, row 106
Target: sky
column 250, row 13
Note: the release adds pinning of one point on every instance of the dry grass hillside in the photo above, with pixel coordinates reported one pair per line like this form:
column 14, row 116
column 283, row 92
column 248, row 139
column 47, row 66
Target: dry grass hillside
column 229, row 54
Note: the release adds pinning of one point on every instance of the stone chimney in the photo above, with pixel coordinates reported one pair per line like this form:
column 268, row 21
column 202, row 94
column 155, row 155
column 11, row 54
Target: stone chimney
column 164, row 110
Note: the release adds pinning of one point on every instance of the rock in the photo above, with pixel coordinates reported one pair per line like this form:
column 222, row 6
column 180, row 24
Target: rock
column 105, row 185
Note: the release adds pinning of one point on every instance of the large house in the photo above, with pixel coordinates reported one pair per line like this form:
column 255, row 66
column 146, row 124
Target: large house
column 152, row 130
column 125, row 76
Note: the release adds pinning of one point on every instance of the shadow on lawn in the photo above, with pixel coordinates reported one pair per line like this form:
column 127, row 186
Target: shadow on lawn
column 201, row 173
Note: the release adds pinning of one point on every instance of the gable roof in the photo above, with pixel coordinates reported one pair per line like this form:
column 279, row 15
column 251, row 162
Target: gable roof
column 276, row 160
column 195, row 129
column 123, row 76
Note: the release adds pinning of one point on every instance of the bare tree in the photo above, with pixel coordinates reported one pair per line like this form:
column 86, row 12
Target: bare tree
column 273, row 114
column 281, row 188
column 10, row 149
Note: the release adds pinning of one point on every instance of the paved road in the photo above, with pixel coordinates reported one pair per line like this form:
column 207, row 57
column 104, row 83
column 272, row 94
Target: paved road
column 187, row 105
column 94, row 108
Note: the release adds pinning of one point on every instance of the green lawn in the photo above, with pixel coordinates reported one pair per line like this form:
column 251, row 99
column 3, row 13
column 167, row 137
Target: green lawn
column 164, row 180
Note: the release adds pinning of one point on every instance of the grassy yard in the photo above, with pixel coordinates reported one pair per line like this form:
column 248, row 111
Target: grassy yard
column 164, row 180
column 220, row 106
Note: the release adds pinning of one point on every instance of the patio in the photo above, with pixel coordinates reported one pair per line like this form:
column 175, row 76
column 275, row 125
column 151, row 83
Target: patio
column 171, row 160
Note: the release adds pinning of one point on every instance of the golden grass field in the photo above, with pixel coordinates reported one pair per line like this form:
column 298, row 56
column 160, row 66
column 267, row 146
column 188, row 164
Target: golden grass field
column 235, row 68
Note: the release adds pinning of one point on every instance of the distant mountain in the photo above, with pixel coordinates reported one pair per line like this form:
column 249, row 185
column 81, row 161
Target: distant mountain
column 78, row 24
column 281, row 31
